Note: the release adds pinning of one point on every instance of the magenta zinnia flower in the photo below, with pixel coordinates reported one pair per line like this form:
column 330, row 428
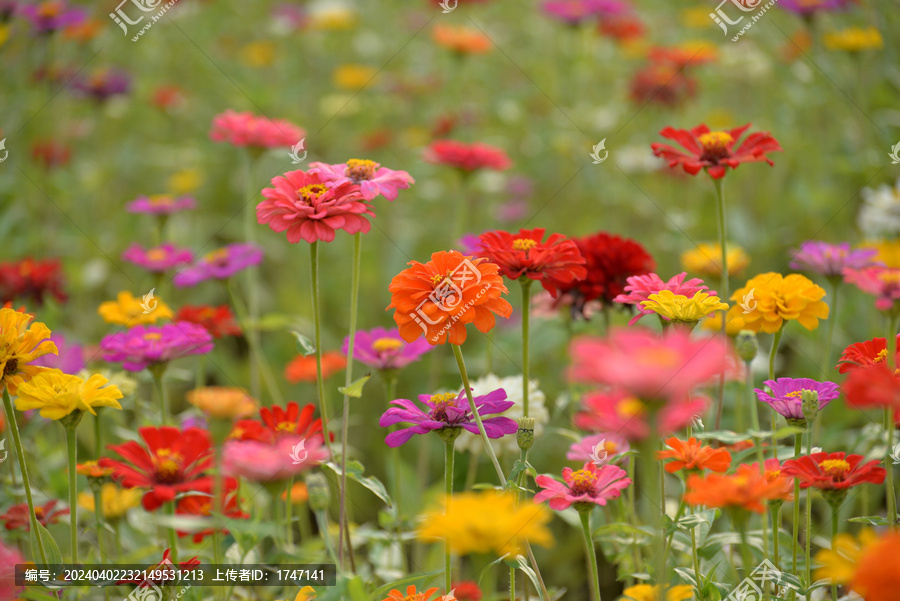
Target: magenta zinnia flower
column 264, row 462
column 303, row 205
column 158, row 259
column 142, row 346
column 606, row 446
column 50, row 15
column 808, row 8
column 69, row 359
column 831, row 259
column 617, row 411
column 640, row 287
column 103, row 84
column 371, row 177
column 589, row 485
column 573, row 12
column 448, row 410
column 9, row 557
column 385, row 349
column 785, row 397
column 220, row 264
column 160, row 204
column 881, row 282
column 246, row 129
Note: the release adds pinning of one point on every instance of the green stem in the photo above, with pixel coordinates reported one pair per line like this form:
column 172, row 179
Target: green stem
column 650, row 489
column 390, row 388
column 288, row 513
column 889, row 421
column 320, row 382
column 832, row 319
column 774, row 351
column 512, row 584
column 798, row 450
column 592, row 553
column 170, row 532
column 835, row 528
column 526, row 322
column 252, row 274
column 775, row 511
column 696, row 558
column 97, row 433
column 448, row 491
column 72, row 454
column 746, row 556
column 98, row 515
column 808, row 513
column 158, row 370
column 723, row 286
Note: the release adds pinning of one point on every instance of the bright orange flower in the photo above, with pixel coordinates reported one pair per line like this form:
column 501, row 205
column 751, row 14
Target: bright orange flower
column 440, row 297
column 462, row 40
column 412, row 595
column 747, row 489
column 877, row 577
column 303, row 369
column 691, row 455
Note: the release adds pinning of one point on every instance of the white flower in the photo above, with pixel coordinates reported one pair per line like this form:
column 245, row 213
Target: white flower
column 513, row 387
column 880, row 211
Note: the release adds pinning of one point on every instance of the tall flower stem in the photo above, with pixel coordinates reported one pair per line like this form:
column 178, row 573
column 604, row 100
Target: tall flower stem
column 317, row 320
column 158, row 370
column 526, row 326
column 723, row 291
column 772, row 353
column 695, row 555
column 170, row 532
column 775, row 511
column 808, row 511
column 585, row 515
column 835, row 288
column 448, row 491
column 72, row 455
column 835, row 527
column 98, row 515
column 253, row 286
column 288, row 511
column 650, row 489
column 889, row 420
column 798, row 450
column 348, row 379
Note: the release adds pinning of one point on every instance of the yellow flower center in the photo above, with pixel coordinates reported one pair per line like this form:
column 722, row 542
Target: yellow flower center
column 361, row 169
column 796, row 394
column 835, row 468
column 311, row 192
column 443, row 399
column 152, row 336
column 630, row 407
column 286, row 426
column 161, row 199
column 387, row 344
column 610, row 447
column 773, row 475
column 167, row 465
column 715, row 144
column 582, row 482
column 881, row 356
column 216, row 256
column 157, row 254
column 524, row 244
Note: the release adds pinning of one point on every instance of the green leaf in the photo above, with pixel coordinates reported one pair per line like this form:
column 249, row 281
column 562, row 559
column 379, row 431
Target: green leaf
column 687, row 575
column 355, row 472
column 304, row 345
column 356, row 589
column 872, row 520
column 50, row 546
column 355, row 389
column 522, row 566
column 724, row 436
column 620, row 528
column 691, row 521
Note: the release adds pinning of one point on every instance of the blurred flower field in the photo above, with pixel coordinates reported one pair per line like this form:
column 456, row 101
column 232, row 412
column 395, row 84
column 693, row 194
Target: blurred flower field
column 450, row 300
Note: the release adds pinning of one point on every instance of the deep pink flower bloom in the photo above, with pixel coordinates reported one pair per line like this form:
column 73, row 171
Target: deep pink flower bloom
column 590, row 484
column 9, row 557
column 264, row 462
column 69, row 359
column 573, row 12
column 785, row 397
column 831, row 259
column 247, row 129
column 449, row 410
column 881, row 282
column 159, row 259
column 620, row 412
column 103, row 84
column 303, row 205
column 467, row 157
column 161, row 204
column 142, row 346
column 50, row 15
column 646, row 364
column 640, row 287
column 611, row 446
column 220, row 264
column 385, row 349
column 371, row 177
column 808, row 8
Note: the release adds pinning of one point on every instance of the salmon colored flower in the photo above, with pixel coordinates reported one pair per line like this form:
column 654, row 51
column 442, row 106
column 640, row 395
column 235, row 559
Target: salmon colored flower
column 303, row 369
column 872, row 386
column 247, row 129
column 877, row 576
column 466, row 591
column 772, row 470
column 57, row 395
column 691, row 455
column 20, row 344
column 591, row 485
column 129, row 311
column 881, row 282
column 746, row 489
column 605, row 446
column 775, row 299
column 714, row 151
column 226, row 402
column 161, row 204
column 620, row 412
column 467, row 157
column 706, row 260
column 833, row 471
column 462, row 40
column 440, row 297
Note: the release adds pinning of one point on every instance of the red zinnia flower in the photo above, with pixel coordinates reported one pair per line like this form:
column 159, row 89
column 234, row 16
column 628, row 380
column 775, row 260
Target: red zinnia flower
column 31, row 279
column 172, row 462
column 714, row 150
column 862, row 354
column 610, row 261
column 692, row 456
column 466, row 591
column 51, row 153
column 250, row 429
column 661, row 84
column 623, row 28
column 524, row 255
column 467, row 157
column 293, row 422
column 303, row 369
column 833, row 471
column 218, row 321
column 872, row 386
column 201, row 505
column 17, row 516
column 165, row 564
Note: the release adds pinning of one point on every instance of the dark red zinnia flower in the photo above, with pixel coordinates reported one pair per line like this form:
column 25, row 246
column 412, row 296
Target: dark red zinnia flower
column 872, row 386
column 833, row 471
column 293, row 421
column 623, row 28
column 610, row 260
column 30, row 279
column 17, row 517
column 661, row 84
column 167, row 565
column 218, row 321
column 51, row 153
column 714, row 151
column 556, row 261
column 862, row 354
column 466, row 591
column 467, row 157
column 201, row 505
column 250, row 429
column 172, row 461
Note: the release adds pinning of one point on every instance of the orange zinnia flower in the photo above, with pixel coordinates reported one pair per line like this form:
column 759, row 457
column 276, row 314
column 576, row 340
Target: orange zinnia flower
column 440, row 297
column 691, row 455
column 303, row 369
column 747, row 489
column 462, row 40
column 877, row 576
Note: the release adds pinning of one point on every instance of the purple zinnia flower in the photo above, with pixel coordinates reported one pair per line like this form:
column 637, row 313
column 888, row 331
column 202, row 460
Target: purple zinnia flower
column 469, row 244
column 158, row 259
column 160, row 204
column 51, row 15
column 831, row 259
column 448, row 410
column 69, row 360
column 103, row 84
column 385, row 349
column 371, row 177
column 220, row 264
column 142, row 346
column 786, row 400
column 573, row 12
column 808, row 8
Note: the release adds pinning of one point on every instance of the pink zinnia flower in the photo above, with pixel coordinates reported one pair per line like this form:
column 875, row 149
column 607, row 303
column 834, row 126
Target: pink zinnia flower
column 605, row 446
column 589, row 485
column 50, row 15
column 161, row 204
column 9, row 557
column 881, row 282
column 371, row 177
column 264, row 462
column 158, row 259
column 142, row 346
column 247, row 129
column 467, row 157
column 619, row 412
column 385, row 349
column 640, row 287
column 220, row 264
column 303, row 205
column 648, row 365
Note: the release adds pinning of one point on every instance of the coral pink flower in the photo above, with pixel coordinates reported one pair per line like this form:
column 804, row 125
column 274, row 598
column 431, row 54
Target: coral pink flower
column 714, row 150
column 640, row 287
column 158, row 259
column 467, row 157
column 247, row 129
column 280, row 460
column 881, row 282
column 606, row 447
column 646, row 364
column 9, row 557
column 371, row 177
column 619, row 412
column 303, row 205
column 589, row 485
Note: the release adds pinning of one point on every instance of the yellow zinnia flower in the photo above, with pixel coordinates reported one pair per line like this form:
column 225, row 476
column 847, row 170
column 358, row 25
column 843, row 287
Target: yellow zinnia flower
column 185, row 181
column 647, row 592
column 19, row 346
column 307, row 593
column 854, row 39
column 769, row 299
column 695, row 17
column 713, row 323
column 130, row 311
column 486, row 522
column 840, row 562
column 258, row 54
column 706, row 260
column 228, row 402
column 888, row 252
column 678, row 307
column 335, row 18
column 114, row 501
column 57, row 394
column 353, row 77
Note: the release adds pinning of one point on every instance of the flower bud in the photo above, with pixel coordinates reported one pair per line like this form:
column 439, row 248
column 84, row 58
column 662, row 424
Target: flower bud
column 810, row 404
column 319, row 492
column 525, row 433
column 746, row 345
